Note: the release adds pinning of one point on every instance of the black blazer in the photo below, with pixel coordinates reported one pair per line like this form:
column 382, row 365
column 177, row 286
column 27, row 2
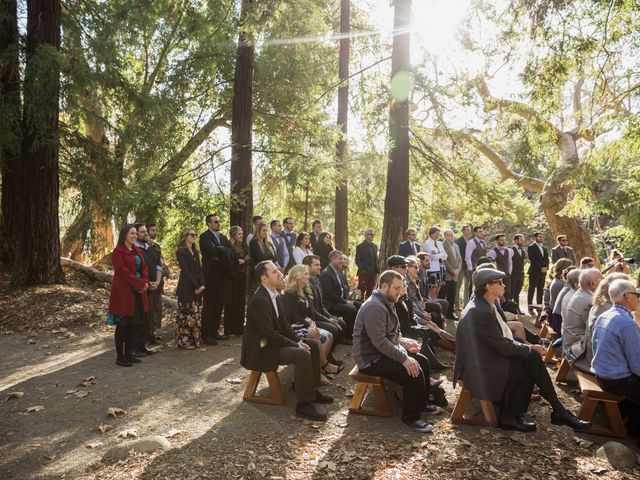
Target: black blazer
column 191, row 277
column 483, row 352
column 367, row 258
column 152, row 259
column 537, row 260
column 217, row 266
column 318, row 306
column 265, row 333
column 322, row 250
column 257, row 254
column 405, row 248
column 296, row 311
column 331, row 288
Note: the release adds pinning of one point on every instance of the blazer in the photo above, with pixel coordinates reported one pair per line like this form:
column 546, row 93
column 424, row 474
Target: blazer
column 217, row 266
column 367, row 258
column 122, row 301
column 483, row 352
column 295, row 309
column 191, row 277
column 318, row 306
column 462, row 245
column 537, row 260
column 332, row 289
column 258, row 255
column 405, row 248
column 323, row 250
column 557, row 254
column 152, row 258
column 265, row 333
column 452, row 262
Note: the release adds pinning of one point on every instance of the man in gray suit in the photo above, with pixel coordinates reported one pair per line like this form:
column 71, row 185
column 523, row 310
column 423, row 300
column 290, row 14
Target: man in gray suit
column 561, row 250
column 453, row 266
column 574, row 323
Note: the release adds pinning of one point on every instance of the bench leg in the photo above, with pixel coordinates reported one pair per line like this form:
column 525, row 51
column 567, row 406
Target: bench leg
column 358, row 397
column 615, row 419
column 276, row 389
column 381, row 408
column 563, row 371
column 544, row 331
column 276, row 397
column 549, row 357
column 252, row 386
column 457, row 415
column 489, row 413
column 587, row 408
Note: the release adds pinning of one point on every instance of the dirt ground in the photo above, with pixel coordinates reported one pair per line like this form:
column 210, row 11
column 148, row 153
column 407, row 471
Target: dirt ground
column 58, row 353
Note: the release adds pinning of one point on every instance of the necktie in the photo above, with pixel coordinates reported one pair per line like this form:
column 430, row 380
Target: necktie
column 564, row 252
column 413, row 248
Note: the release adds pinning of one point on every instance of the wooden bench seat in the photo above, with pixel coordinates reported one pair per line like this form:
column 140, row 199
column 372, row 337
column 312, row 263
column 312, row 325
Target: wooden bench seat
column 458, row 414
column 593, row 395
column 563, row 372
column 276, row 397
column 381, row 408
column 538, row 309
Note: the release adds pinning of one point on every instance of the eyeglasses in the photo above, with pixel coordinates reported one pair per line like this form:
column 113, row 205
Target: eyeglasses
column 403, row 267
column 215, row 221
column 637, row 295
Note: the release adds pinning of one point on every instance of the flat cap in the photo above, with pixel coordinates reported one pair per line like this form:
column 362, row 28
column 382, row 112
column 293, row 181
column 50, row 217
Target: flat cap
column 396, row 261
column 486, row 275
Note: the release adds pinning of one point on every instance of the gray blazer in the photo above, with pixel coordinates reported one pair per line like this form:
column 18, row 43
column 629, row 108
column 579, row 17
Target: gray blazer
column 557, row 254
column 453, row 261
column 574, row 323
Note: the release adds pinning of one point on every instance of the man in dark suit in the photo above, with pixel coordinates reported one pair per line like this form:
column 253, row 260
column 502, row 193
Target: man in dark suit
column 269, row 341
column 463, row 279
column 538, row 265
column 367, row 262
column 410, row 246
column 517, row 268
column 496, row 367
column 217, row 258
column 316, row 230
column 334, row 295
column 561, row 250
column 289, row 237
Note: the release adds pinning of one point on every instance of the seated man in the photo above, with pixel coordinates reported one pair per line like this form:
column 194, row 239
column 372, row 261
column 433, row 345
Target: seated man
column 379, row 349
column 335, row 294
column 575, row 323
column 499, row 369
column 616, row 349
column 269, row 341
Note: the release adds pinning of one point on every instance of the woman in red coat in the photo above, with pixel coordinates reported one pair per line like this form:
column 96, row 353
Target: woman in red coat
column 128, row 302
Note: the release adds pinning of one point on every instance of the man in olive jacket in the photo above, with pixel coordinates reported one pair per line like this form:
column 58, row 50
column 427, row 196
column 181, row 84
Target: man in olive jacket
column 269, row 341
column 497, row 368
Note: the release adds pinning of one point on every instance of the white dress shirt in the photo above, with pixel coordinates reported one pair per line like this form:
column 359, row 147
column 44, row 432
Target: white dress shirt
column 436, row 253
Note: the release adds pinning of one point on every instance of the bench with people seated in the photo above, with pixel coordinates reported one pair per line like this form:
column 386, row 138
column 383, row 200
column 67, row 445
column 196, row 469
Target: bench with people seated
column 458, row 413
column 537, row 309
column 593, row 395
column 276, row 397
column 381, row 408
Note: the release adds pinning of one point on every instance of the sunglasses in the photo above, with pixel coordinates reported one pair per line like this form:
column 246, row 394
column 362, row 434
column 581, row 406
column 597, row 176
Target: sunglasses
column 496, row 282
column 215, row 221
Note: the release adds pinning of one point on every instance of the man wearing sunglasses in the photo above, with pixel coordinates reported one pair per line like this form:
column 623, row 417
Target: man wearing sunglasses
column 616, row 348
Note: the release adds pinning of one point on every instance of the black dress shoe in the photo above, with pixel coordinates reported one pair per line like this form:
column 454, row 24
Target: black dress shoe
column 309, row 411
column 138, row 353
column 513, row 423
column 569, row 419
column 133, row 359
column 123, row 363
column 210, row 341
column 221, row 338
column 322, row 398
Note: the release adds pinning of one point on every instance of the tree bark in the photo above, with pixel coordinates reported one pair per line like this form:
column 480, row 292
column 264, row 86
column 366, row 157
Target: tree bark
column 37, row 233
column 396, row 202
column 241, row 130
column 342, row 160
column 9, row 123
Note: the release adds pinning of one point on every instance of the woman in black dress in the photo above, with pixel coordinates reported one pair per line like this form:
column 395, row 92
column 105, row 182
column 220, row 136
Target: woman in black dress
column 260, row 249
column 323, row 248
column 234, row 310
column 189, row 292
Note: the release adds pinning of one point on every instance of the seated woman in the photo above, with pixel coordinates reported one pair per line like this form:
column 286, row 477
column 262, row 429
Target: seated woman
column 300, row 314
column 303, row 247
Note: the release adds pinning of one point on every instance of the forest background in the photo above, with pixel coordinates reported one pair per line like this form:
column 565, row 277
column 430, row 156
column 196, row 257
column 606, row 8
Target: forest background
column 519, row 115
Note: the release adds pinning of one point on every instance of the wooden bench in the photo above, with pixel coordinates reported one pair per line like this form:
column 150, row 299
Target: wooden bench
column 593, row 395
column 381, row 408
column 538, row 309
column 547, row 332
column 563, row 371
column 458, row 414
column 276, row 397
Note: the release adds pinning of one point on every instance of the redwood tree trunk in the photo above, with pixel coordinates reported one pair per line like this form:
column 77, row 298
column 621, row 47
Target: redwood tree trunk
column 9, row 123
column 241, row 131
column 396, row 202
column 37, row 233
column 342, row 161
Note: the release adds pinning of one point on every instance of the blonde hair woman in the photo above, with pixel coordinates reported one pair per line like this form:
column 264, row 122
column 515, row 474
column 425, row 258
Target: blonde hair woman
column 260, row 249
column 298, row 301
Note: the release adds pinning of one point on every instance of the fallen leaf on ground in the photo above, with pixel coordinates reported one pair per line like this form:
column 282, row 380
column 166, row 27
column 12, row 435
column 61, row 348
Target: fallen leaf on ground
column 35, row 408
column 582, row 442
column 128, row 433
column 172, row 433
column 31, row 341
column 114, row 412
column 94, row 444
column 202, row 349
column 104, row 427
column 234, row 381
column 13, row 395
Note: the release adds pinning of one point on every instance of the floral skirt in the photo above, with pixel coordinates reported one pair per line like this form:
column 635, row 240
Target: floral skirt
column 188, row 325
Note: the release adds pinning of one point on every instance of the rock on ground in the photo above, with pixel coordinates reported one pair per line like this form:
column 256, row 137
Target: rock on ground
column 617, row 454
column 144, row 445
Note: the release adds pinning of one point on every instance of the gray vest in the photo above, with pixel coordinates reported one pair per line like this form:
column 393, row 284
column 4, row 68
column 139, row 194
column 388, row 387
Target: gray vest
column 478, row 252
column 502, row 260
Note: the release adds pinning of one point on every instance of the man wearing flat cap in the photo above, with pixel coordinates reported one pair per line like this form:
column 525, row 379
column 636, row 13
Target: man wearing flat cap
column 495, row 367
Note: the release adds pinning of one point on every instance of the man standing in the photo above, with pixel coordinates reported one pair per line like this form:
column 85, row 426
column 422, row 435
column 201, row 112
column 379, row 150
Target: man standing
column 282, row 253
column 476, row 249
column 217, row 258
column 334, row 294
column 289, row 237
column 463, row 281
column 574, row 324
column 410, row 246
column 316, row 230
column 155, row 298
column 503, row 256
column 367, row 263
column 452, row 265
column 561, row 250
column 380, row 349
column 269, row 341
column 517, row 268
column 538, row 266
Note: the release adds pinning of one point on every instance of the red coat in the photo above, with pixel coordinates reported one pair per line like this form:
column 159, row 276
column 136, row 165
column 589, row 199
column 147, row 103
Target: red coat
column 122, row 301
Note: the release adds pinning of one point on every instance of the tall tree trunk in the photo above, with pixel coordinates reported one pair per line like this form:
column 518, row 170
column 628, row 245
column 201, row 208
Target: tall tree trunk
column 37, row 234
column 396, row 201
column 342, row 160
column 241, row 129
column 9, row 123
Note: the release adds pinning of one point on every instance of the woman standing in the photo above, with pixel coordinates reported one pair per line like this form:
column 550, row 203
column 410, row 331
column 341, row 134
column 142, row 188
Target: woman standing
column 303, row 247
column 260, row 249
column 128, row 302
column 324, row 248
column 234, row 310
column 190, row 288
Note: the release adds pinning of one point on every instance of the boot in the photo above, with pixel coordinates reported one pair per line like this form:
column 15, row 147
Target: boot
column 435, row 364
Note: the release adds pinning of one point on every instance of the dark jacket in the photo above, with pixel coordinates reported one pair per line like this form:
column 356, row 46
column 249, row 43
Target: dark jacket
column 405, row 248
column 367, row 258
column 296, row 310
column 191, row 277
column 290, row 242
column 152, row 259
column 557, row 254
column 482, row 351
column 537, row 260
column 122, row 300
column 217, row 266
column 258, row 254
column 318, row 306
column 462, row 245
column 323, row 250
column 517, row 261
column 265, row 333
column 332, row 290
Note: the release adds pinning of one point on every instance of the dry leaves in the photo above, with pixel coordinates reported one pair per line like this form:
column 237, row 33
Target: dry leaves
column 104, row 427
column 94, row 444
column 35, row 408
column 114, row 412
column 13, row 395
column 172, row 433
column 77, row 393
column 128, row 433
column 234, row 381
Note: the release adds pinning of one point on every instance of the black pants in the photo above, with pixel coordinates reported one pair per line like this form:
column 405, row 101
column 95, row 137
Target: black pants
column 124, row 337
column 210, row 316
column 338, row 335
column 435, row 310
column 448, row 293
column 524, row 373
column 507, row 286
column 517, row 282
column 307, row 369
column 348, row 313
column 630, row 406
column 415, row 389
column 536, row 284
